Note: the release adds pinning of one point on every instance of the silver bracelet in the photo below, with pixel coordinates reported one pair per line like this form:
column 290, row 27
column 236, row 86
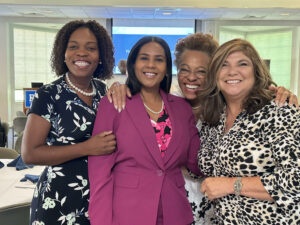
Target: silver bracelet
column 238, row 186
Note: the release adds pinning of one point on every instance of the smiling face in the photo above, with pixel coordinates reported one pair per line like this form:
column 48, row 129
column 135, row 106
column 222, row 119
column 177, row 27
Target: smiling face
column 236, row 77
column 82, row 54
column 192, row 72
column 150, row 66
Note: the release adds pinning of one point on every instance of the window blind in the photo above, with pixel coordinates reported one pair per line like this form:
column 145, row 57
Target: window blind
column 275, row 46
column 32, row 50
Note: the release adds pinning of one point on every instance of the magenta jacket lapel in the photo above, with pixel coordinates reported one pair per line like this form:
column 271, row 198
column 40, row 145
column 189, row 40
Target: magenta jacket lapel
column 176, row 126
column 141, row 121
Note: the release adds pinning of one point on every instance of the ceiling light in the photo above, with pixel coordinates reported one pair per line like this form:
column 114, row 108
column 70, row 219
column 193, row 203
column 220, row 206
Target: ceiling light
column 167, row 11
column 284, row 14
column 48, row 11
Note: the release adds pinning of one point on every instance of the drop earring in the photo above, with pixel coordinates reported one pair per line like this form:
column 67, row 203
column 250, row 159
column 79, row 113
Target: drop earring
column 100, row 62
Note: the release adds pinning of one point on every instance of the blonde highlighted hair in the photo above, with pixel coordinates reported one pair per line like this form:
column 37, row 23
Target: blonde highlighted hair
column 213, row 101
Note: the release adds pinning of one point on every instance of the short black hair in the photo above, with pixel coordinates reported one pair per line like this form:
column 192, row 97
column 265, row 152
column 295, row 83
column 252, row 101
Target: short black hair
column 132, row 82
column 105, row 46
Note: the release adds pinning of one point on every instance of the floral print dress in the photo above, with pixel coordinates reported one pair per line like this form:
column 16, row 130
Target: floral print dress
column 61, row 195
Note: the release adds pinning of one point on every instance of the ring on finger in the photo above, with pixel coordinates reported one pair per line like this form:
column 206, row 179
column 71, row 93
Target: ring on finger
column 112, row 92
column 205, row 195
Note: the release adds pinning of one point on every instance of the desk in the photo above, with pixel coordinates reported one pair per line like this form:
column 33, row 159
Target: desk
column 15, row 196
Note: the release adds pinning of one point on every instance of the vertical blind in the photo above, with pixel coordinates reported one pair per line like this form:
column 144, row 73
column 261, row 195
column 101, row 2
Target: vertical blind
column 277, row 47
column 32, row 50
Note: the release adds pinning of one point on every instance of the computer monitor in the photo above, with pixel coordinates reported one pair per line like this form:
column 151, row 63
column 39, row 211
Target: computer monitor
column 125, row 37
column 36, row 84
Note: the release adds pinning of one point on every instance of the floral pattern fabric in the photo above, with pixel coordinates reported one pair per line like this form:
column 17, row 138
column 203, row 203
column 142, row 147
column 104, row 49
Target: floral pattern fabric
column 163, row 131
column 61, row 195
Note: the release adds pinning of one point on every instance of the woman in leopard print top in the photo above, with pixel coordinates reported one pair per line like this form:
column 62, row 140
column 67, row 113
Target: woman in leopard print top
column 249, row 146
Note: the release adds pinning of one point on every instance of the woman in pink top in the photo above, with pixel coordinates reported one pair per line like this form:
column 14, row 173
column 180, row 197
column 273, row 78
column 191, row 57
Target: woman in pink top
column 141, row 182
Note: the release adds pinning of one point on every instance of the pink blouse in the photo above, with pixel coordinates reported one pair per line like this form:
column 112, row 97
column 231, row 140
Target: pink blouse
column 163, row 131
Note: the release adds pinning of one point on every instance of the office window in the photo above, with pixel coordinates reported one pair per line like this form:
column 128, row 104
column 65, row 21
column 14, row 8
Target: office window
column 126, row 33
column 32, row 50
column 227, row 35
column 276, row 47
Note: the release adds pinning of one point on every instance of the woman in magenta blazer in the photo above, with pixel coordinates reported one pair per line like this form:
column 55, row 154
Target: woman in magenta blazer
column 141, row 182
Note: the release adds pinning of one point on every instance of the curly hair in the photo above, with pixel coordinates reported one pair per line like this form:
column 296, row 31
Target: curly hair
column 259, row 96
column 199, row 42
column 105, row 46
column 133, row 84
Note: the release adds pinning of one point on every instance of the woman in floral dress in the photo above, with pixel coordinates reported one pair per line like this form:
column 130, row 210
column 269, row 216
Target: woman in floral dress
column 60, row 122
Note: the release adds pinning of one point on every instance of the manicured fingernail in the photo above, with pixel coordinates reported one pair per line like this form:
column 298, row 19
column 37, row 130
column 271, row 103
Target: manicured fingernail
column 110, row 100
column 123, row 106
column 280, row 104
column 116, row 108
column 276, row 102
column 119, row 110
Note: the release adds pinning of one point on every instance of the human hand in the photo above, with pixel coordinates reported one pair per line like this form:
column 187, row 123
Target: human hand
column 282, row 94
column 101, row 144
column 217, row 187
column 117, row 94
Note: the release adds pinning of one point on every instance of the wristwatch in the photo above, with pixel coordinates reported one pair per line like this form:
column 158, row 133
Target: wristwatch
column 237, row 186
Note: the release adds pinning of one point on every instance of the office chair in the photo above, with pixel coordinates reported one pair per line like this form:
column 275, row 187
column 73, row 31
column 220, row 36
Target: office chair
column 20, row 113
column 7, row 153
column 19, row 143
column 6, row 129
column 18, row 126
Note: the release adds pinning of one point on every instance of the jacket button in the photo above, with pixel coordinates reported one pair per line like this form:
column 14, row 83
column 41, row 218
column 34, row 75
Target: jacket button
column 160, row 173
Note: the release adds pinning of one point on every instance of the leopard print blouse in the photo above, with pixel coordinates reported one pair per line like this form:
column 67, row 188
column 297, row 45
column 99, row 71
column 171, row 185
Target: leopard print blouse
column 264, row 144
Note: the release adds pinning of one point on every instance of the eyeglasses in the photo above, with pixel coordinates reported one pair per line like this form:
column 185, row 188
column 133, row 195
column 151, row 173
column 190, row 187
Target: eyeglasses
column 200, row 73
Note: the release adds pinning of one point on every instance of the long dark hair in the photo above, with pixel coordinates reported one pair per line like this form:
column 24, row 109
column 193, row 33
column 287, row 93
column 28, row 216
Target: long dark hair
column 132, row 82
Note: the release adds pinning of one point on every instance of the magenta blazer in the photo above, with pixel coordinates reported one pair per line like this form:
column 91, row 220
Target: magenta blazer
column 126, row 186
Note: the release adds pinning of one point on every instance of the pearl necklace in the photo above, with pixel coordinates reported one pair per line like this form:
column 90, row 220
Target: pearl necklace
column 162, row 107
column 93, row 93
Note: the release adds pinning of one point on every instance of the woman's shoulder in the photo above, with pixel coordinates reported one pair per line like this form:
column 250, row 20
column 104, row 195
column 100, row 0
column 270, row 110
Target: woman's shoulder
column 50, row 89
column 100, row 85
column 106, row 105
column 52, row 86
column 177, row 99
column 282, row 114
column 272, row 108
